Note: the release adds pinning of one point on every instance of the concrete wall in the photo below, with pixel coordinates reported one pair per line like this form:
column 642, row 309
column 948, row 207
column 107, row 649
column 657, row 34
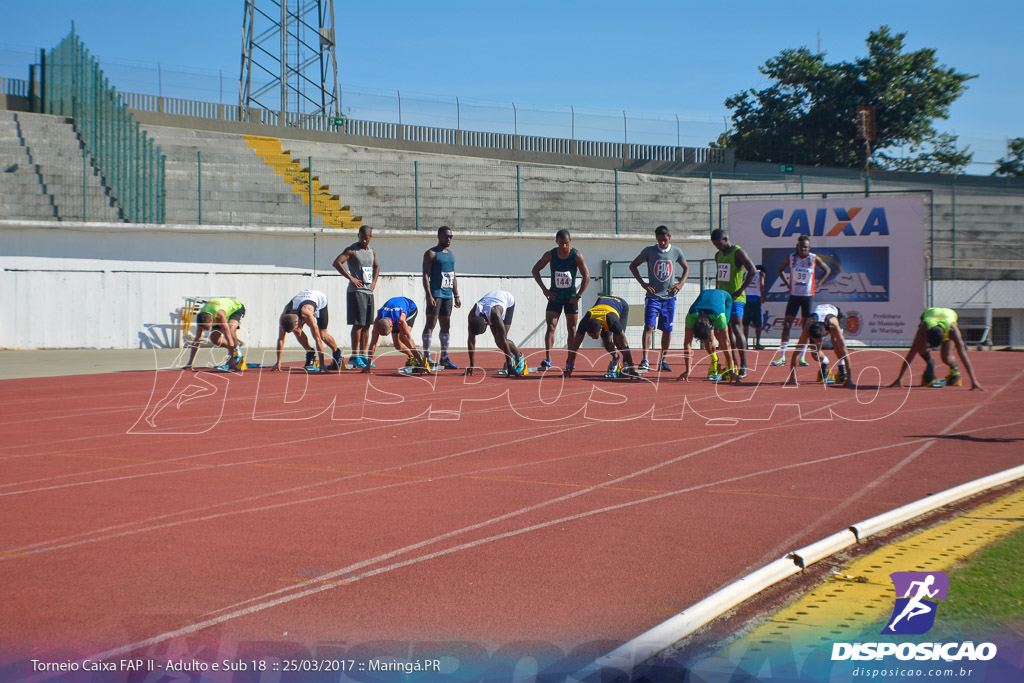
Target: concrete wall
column 88, row 285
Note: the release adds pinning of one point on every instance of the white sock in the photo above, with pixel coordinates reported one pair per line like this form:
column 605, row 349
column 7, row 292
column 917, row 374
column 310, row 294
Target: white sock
column 782, row 349
column 426, row 343
column 444, row 337
column 803, row 352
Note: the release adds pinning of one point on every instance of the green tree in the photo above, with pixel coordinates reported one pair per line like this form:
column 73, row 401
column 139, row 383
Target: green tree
column 1013, row 164
column 943, row 157
column 808, row 114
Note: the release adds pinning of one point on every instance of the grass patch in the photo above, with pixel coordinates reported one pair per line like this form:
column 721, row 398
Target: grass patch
column 987, row 590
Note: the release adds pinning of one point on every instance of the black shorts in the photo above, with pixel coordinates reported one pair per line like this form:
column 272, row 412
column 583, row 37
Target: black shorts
column 360, row 308
column 566, row 307
column 442, row 308
column 801, row 303
column 508, row 313
column 237, row 315
column 410, row 319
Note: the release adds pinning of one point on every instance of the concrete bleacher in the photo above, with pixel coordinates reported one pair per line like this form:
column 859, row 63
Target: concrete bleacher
column 236, row 187
column 42, row 173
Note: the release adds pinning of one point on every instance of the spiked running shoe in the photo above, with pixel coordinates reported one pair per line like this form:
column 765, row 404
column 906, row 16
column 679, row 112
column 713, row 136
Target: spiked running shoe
column 545, row 365
column 614, row 366
column 645, row 365
column 520, row 365
column 802, row 362
column 664, row 367
column 781, row 360
column 447, row 364
column 953, row 379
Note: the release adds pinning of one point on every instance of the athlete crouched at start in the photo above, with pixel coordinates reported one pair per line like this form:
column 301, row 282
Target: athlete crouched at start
column 709, row 317
column 938, row 328
column 606, row 319
column 825, row 319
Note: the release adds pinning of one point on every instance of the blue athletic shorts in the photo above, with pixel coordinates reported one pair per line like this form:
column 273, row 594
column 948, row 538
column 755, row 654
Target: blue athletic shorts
column 737, row 309
column 660, row 311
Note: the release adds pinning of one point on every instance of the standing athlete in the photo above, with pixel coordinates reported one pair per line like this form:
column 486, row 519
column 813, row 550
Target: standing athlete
column 661, row 288
column 442, row 290
column 561, row 293
column 361, row 273
column 802, row 266
column 734, row 273
column 752, row 313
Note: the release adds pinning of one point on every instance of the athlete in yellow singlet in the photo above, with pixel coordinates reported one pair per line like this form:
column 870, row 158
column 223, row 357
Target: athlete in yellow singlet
column 938, row 328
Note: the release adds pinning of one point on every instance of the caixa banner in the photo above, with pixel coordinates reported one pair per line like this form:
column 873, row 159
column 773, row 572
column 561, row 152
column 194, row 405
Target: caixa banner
column 872, row 248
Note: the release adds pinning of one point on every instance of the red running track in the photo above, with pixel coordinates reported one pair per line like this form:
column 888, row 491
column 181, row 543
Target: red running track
column 213, row 514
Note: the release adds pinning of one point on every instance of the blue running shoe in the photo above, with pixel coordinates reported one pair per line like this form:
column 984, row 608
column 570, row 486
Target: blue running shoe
column 545, row 365
column 357, row 362
column 803, row 362
column 645, row 365
column 614, row 366
column 366, row 361
column 521, row 365
column 664, row 367
column 447, row 364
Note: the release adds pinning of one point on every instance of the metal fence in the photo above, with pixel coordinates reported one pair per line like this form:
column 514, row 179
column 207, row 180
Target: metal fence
column 130, row 164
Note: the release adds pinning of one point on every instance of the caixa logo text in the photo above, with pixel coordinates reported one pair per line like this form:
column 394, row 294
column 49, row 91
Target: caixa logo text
column 825, row 222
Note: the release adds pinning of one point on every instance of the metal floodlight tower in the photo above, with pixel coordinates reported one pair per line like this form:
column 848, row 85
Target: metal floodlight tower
column 288, row 61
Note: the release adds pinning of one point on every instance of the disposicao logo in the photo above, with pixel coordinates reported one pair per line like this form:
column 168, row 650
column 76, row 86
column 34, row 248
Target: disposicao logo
column 914, row 613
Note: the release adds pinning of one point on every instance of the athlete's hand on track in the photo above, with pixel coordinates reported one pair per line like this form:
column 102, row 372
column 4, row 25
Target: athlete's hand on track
column 897, row 383
column 366, row 370
column 274, row 368
column 469, row 372
column 978, row 387
column 685, row 375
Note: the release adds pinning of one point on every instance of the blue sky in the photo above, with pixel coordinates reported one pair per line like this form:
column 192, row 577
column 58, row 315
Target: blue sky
column 657, row 61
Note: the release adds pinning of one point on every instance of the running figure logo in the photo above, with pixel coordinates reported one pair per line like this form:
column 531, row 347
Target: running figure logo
column 914, row 613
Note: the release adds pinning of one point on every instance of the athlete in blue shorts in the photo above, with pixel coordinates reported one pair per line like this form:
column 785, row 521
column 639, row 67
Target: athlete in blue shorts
column 396, row 318
column 661, row 288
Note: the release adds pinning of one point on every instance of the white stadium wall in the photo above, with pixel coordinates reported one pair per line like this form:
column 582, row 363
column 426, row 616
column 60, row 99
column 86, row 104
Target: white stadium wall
column 121, row 286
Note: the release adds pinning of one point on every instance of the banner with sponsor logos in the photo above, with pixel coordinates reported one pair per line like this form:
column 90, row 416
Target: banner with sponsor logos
column 874, row 248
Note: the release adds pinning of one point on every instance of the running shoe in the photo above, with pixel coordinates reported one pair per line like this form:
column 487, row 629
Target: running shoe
column 353, row 360
column 743, row 373
column 781, row 360
column 802, row 362
column 953, row 379
column 929, row 375
column 520, row 365
column 411, row 362
column 645, row 365
column 447, row 364
column 310, row 358
column 339, row 362
column 545, row 365
column 664, row 367
column 613, row 366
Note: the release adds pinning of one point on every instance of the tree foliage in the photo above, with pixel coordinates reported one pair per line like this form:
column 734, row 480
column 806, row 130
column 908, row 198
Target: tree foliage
column 808, row 114
column 1013, row 164
column 942, row 157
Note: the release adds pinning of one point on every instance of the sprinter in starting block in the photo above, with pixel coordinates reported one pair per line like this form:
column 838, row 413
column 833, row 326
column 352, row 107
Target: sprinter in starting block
column 938, row 329
column 308, row 308
column 495, row 310
column 221, row 317
column 825, row 319
column 396, row 319
column 708, row 320
column 606, row 319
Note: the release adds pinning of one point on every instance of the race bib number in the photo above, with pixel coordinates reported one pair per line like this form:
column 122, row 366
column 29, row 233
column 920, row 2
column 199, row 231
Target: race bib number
column 802, row 275
column 447, row 279
column 723, row 272
column 367, row 274
column 563, row 280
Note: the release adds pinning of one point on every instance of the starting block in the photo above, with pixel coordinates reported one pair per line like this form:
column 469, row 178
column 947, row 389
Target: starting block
column 619, row 374
column 504, row 373
column 419, row 370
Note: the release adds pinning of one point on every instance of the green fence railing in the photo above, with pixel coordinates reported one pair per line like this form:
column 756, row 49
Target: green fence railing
column 129, row 162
